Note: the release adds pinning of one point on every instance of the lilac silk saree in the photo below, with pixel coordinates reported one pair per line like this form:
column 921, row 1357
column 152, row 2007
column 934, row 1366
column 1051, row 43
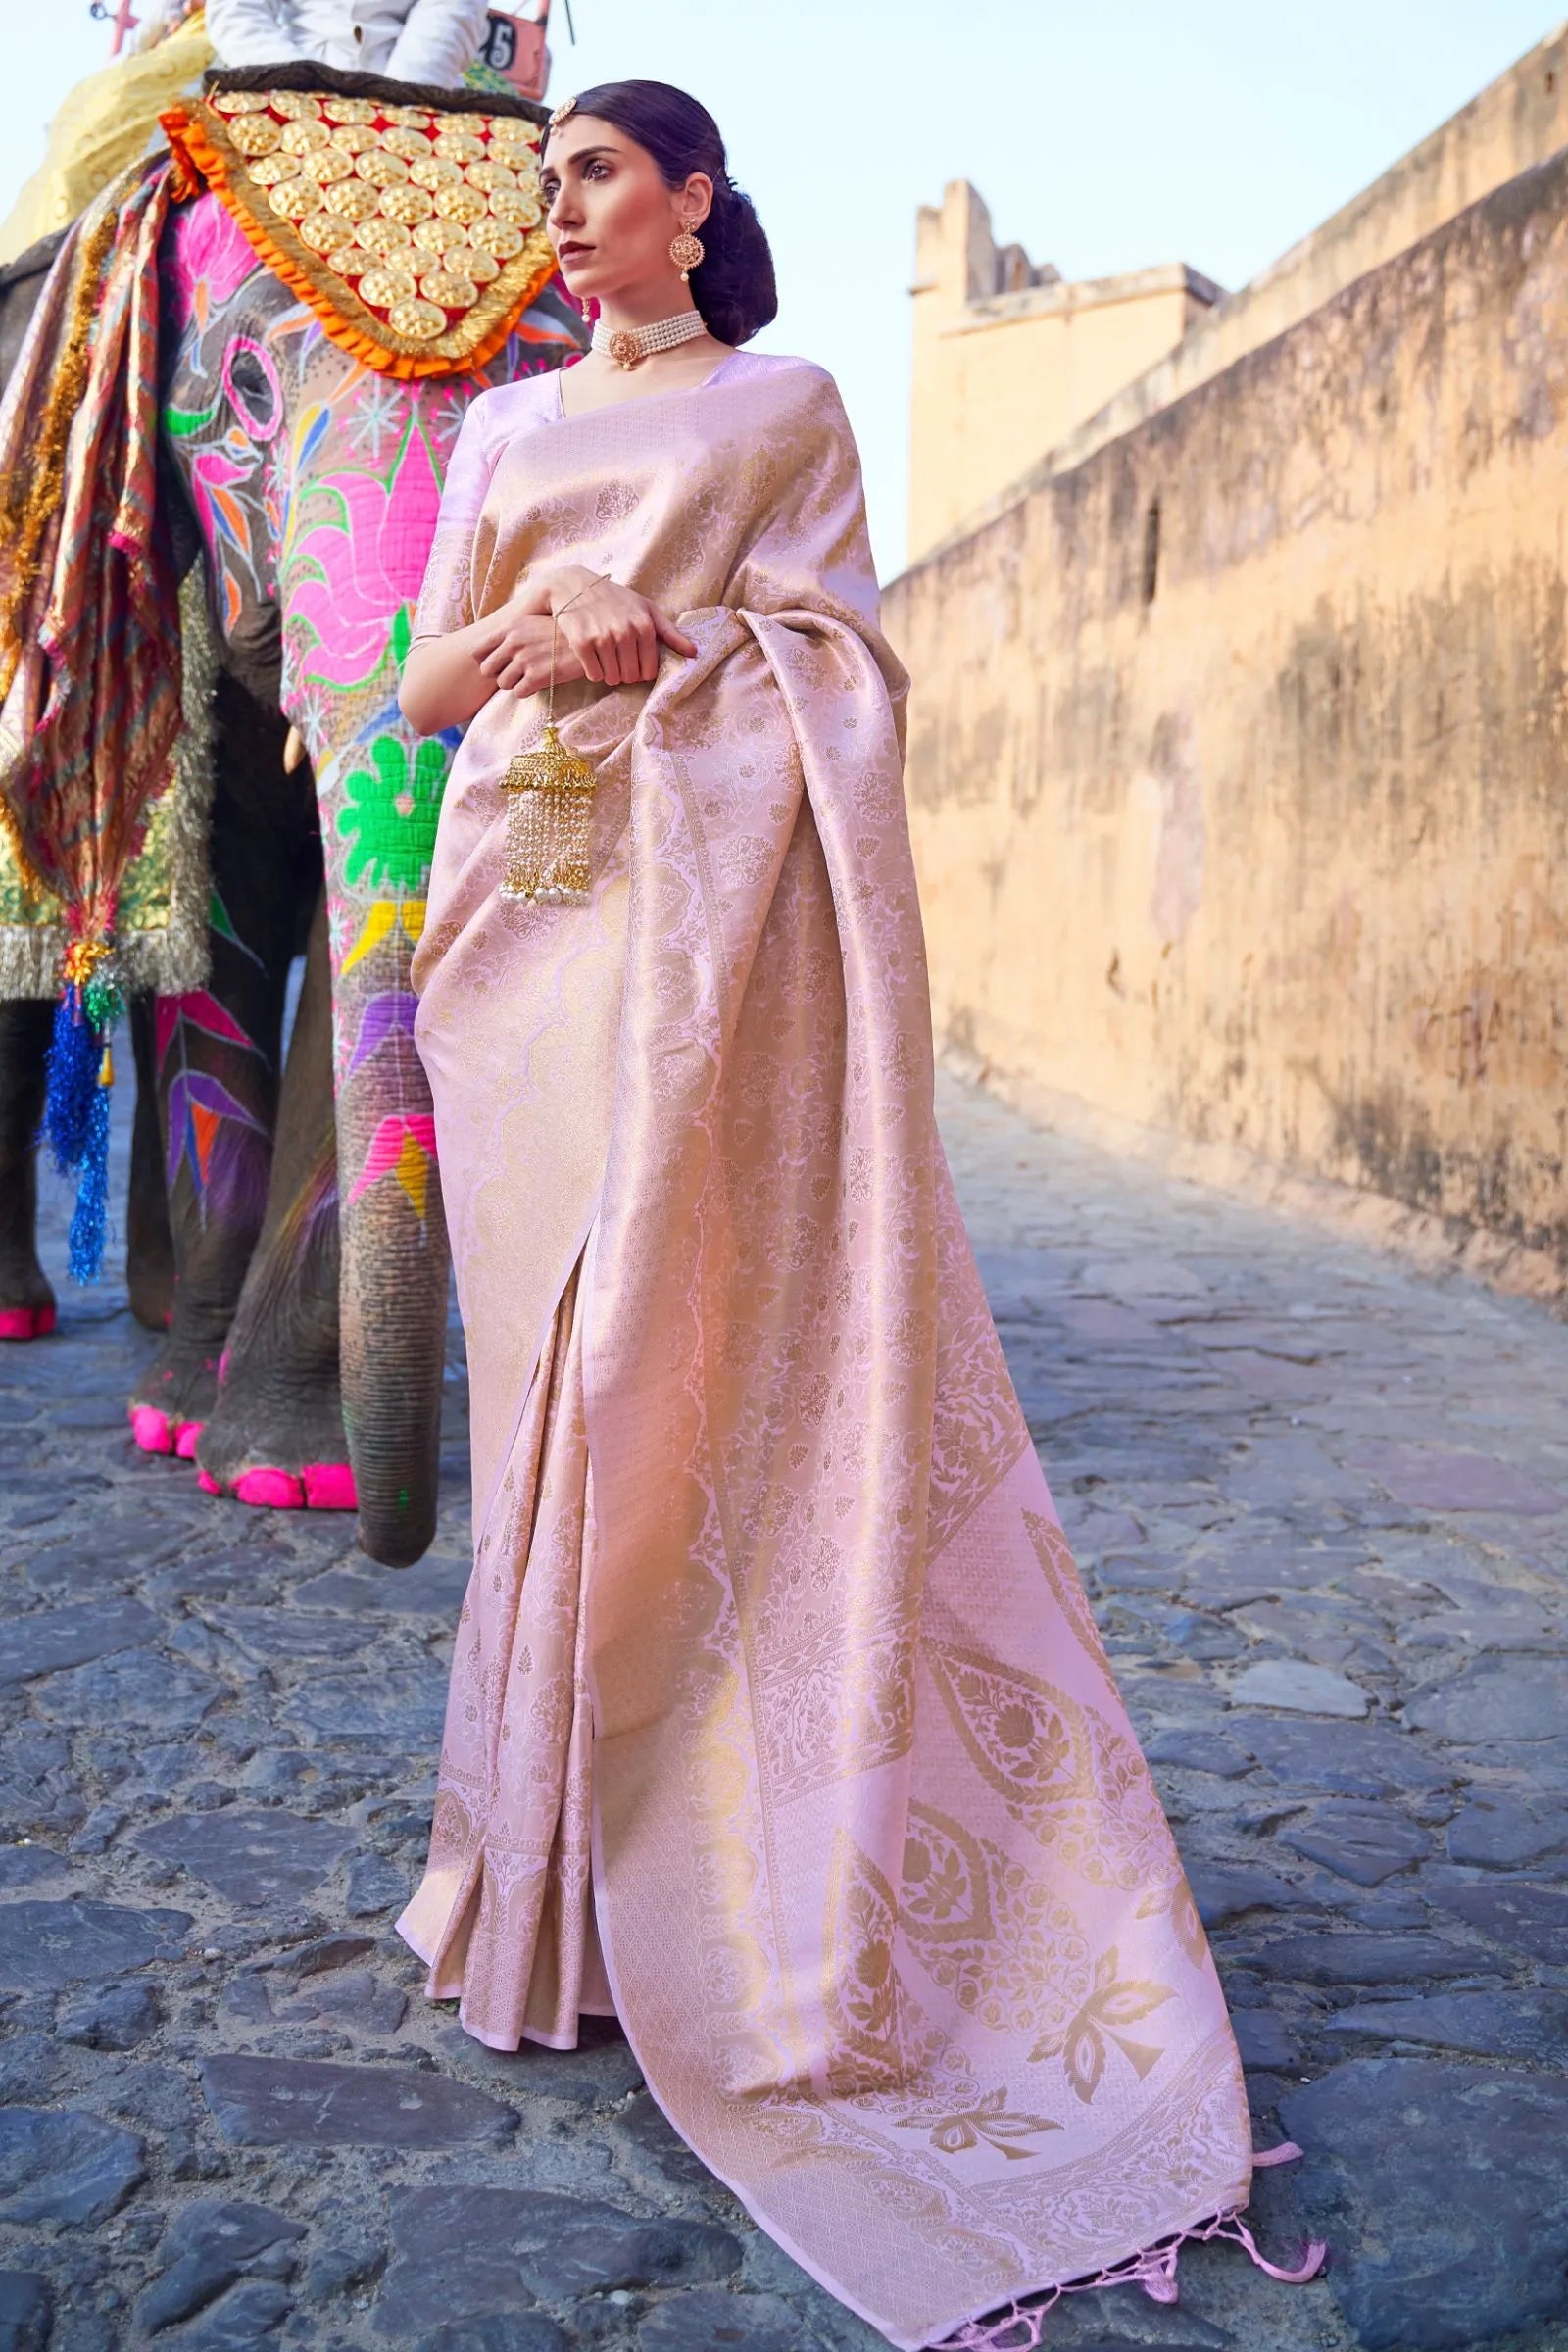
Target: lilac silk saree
column 779, row 1719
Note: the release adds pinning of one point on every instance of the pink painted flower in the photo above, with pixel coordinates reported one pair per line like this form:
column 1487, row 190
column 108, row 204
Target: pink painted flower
column 210, row 257
column 353, row 557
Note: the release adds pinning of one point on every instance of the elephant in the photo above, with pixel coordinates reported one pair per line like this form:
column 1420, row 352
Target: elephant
column 309, row 1246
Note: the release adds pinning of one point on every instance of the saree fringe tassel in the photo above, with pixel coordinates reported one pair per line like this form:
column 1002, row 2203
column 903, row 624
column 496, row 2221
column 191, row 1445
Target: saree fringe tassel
column 1019, row 2327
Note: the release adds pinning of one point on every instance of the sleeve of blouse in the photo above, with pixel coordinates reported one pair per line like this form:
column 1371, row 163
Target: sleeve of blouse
column 446, row 599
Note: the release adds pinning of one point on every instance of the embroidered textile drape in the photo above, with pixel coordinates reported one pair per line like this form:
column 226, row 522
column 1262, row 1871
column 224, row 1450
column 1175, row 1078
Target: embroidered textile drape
column 768, row 1585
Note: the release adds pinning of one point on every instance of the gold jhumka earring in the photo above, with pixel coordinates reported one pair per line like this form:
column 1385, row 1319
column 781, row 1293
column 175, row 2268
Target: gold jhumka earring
column 687, row 252
column 550, row 808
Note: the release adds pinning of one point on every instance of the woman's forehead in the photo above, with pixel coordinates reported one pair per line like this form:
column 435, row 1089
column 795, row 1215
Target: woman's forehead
column 583, row 133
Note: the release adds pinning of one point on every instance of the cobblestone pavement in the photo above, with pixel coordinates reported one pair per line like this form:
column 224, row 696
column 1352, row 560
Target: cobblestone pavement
column 1321, row 1507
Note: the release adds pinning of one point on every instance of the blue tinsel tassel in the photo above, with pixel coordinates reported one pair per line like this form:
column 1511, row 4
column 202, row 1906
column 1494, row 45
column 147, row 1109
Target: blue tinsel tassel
column 75, row 1126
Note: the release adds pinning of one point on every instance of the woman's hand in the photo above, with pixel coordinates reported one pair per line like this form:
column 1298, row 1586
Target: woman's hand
column 519, row 659
column 614, row 634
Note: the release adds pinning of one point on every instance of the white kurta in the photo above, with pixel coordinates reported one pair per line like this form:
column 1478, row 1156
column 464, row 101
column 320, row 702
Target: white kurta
column 409, row 40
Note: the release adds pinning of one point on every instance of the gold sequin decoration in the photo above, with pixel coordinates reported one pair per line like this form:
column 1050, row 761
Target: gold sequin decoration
column 463, row 205
column 382, row 236
column 295, row 198
column 381, row 169
column 355, row 201
column 382, row 288
column 406, row 204
column 256, row 134
column 445, row 286
column 411, row 144
column 490, row 174
column 320, row 231
column 516, row 206
column 416, row 213
column 326, row 164
column 419, row 321
column 498, row 237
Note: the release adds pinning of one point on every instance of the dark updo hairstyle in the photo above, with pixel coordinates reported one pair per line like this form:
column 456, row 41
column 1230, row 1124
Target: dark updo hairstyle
column 733, row 284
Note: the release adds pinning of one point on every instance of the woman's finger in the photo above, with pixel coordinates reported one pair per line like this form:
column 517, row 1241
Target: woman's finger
column 592, row 667
column 669, row 634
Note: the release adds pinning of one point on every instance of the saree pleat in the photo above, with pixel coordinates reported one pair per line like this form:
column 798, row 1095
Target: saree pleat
column 888, row 1908
column 502, row 1916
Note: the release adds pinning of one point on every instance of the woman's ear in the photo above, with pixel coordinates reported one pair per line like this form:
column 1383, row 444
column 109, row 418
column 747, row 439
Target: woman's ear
column 696, row 199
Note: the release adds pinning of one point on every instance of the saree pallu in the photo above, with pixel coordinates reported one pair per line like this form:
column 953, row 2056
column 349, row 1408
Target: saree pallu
column 776, row 1702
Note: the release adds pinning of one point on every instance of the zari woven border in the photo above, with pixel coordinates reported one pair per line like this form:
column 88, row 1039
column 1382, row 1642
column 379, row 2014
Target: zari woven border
column 208, row 154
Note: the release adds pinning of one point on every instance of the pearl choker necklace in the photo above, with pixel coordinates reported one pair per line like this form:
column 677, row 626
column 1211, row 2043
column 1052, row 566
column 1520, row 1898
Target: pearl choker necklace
column 629, row 346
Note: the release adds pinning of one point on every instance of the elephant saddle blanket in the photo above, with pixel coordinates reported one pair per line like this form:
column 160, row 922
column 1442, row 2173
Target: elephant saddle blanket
column 414, row 230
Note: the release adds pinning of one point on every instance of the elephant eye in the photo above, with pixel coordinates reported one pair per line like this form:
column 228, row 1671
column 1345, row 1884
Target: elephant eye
column 251, row 382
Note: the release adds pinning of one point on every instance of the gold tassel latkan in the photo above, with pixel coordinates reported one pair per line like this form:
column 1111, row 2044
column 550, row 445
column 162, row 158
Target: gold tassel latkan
column 549, row 807
column 550, row 813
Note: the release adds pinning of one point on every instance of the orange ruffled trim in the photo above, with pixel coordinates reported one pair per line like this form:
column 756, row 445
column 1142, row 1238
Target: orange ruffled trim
column 199, row 163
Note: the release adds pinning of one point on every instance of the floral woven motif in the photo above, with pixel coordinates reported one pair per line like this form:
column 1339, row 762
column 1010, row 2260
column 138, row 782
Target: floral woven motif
column 416, row 234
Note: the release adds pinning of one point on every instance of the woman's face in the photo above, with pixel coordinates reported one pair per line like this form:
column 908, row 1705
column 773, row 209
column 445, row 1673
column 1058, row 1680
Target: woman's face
column 611, row 216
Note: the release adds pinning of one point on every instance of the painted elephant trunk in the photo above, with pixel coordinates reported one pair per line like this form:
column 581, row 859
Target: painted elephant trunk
column 394, row 1266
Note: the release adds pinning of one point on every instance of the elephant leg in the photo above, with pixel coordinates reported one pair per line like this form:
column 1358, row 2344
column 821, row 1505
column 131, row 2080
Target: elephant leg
column 26, row 1301
column 217, row 1052
column 149, row 1240
column 276, row 1434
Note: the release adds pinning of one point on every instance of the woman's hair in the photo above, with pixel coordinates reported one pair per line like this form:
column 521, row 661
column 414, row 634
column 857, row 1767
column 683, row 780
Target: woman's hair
column 733, row 284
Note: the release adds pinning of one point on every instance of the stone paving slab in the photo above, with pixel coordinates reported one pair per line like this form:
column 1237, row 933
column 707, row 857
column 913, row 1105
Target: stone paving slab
column 1322, row 1509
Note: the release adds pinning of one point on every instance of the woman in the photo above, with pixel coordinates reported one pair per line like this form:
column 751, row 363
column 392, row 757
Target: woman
column 778, row 1723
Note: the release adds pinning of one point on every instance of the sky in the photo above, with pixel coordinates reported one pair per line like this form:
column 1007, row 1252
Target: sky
column 1103, row 139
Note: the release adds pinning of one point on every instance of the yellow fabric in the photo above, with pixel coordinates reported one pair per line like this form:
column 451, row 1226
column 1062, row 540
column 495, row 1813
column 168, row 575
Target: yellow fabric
column 105, row 122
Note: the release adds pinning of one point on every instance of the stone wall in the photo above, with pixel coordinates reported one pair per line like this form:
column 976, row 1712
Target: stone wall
column 1237, row 763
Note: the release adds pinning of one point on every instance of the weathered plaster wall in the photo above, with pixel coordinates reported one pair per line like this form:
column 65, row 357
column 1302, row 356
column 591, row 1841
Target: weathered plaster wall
column 1250, row 822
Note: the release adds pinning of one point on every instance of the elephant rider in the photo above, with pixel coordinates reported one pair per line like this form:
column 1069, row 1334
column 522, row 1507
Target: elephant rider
column 430, row 41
